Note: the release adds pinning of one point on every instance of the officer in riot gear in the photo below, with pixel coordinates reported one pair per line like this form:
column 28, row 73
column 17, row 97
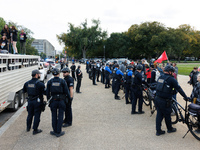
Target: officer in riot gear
column 58, row 92
column 107, row 73
column 137, row 90
column 35, row 90
column 68, row 111
column 128, row 80
column 166, row 83
column 117, row 76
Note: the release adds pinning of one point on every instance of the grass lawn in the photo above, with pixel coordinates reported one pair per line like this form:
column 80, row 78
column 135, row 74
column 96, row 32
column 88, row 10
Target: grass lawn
column 186, row 68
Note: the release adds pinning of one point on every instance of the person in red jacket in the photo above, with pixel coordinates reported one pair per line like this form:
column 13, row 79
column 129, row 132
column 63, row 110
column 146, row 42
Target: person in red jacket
column 148, row 74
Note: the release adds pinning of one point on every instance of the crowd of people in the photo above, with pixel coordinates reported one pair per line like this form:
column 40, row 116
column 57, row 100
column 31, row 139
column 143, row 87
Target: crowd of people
column 132, row 77
column 9, row 38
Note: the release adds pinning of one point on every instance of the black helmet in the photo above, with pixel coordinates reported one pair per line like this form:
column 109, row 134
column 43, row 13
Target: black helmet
column 139, row 67
column 107, row 64
column 169, row 68
column 66, row 70
column 116, row 65
column 129, row 67
column 55, row 71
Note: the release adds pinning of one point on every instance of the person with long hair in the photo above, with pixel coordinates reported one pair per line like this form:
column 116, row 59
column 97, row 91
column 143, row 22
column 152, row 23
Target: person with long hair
column 6, row 32
column 13, row 32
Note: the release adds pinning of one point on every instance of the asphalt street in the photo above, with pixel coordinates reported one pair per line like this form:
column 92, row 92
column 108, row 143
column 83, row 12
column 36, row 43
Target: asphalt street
column 100, row 123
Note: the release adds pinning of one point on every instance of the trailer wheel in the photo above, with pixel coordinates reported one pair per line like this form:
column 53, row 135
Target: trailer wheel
column 16, row 103
column 21, row 97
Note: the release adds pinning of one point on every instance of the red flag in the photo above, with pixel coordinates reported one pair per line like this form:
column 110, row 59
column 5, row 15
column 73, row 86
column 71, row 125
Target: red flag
column 162, row 58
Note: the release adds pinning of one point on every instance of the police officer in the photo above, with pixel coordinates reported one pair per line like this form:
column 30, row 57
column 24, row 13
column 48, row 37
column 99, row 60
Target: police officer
column 163, row 98
column 98, row 70
column 137, row 90
column 68, row 111
column 94, row 71
column 73, row 69
column 128, row 81
column 79, row 77
column 35, row 90
column 107, row 73
column 58, row 92
column 117, row 81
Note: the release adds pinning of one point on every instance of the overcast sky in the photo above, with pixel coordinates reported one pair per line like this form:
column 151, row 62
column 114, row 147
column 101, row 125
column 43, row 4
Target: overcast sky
column 46, row 18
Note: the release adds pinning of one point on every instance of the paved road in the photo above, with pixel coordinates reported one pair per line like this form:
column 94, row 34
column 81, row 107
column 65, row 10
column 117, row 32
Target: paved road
column 100, row 123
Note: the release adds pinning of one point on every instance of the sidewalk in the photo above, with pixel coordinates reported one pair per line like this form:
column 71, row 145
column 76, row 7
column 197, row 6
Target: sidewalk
column 99, row 123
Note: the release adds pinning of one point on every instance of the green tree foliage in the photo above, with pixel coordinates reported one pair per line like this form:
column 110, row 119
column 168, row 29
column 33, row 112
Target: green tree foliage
column 117, row 45
column 83, row 40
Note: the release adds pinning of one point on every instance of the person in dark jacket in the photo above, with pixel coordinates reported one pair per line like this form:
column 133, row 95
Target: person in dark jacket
column 79, row 77
column 164, row 91
column 193, row 76
column 94, row 71
column 68, row 111
column 58, row 92
column 6, row 31
column 35, row 90
column 23, row 38
column 137, row 91
column 73, row 69
column 13, row 32
column 3, row 45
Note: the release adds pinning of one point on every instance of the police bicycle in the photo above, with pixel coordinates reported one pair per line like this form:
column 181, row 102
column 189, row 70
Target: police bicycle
column 191, row 117
column 146, row 96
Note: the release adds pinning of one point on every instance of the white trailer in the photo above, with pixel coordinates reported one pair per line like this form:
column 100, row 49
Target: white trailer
column 15, row 70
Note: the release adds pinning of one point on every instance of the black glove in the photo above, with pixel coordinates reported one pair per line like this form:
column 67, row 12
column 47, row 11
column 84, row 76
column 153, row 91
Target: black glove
column 71, row 98
column 186, row 98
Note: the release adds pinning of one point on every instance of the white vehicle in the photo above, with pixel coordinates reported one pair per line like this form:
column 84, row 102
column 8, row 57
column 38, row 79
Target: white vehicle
column 43, row 71
column 15, row 70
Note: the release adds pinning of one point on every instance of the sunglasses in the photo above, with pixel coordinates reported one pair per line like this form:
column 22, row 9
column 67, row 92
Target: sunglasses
column 65, row 72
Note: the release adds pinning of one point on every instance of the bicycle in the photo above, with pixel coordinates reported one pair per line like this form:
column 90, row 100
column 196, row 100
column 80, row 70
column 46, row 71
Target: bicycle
column 191, row 118
column 146, row 98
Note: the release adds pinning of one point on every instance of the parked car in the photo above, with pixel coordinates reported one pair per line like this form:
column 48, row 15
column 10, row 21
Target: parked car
column 43, row 72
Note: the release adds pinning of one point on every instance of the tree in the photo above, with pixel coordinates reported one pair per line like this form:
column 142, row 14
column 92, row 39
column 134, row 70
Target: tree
column 83, row 38
column 117, row 45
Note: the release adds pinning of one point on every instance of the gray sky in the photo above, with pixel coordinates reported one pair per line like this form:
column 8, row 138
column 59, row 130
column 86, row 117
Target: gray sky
column 46, row 18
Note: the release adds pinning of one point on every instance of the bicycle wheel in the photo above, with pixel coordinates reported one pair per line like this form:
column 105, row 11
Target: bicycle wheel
column 193, row 125
column 146, row 98
column 174, row 115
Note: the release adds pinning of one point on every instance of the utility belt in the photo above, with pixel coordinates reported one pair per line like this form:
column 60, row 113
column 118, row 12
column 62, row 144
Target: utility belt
column 167, row 100
column 164, row 99
column 31, row 98
column 58, row 97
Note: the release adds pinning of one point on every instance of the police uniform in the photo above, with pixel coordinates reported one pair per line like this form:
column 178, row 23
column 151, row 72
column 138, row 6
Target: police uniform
column 73, row 69
column 58, row 91
column 128, row 87
column 79, row 77
column 35, row 90
column 137, row 93
column 68, row 111
column 107, row 73
column 94, row 71
column 117, row 82
column 98, row 71
column 164, row 92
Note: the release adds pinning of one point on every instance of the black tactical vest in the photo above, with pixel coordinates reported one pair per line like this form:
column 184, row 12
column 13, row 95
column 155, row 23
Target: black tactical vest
column 56, row 86
column 163, row 86
column 32, row 88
